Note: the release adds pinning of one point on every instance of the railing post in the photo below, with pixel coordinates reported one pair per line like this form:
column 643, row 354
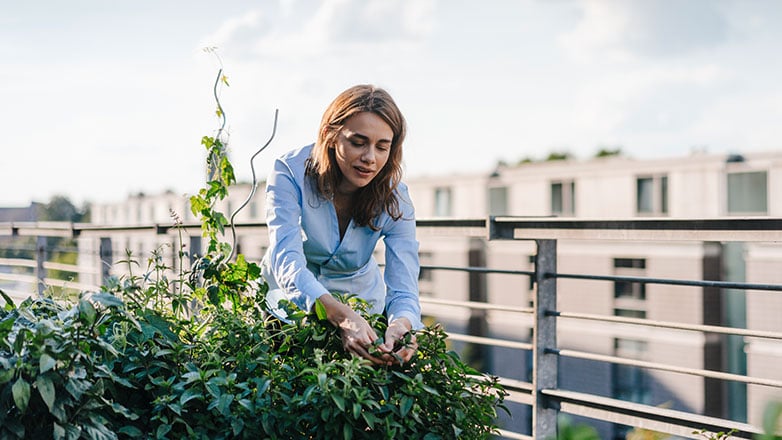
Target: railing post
column 545, row 371
column 40, row 259
column 105, row 260
column 478, row 355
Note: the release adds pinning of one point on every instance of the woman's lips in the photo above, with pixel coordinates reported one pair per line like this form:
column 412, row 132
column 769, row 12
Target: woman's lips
column 365, row 172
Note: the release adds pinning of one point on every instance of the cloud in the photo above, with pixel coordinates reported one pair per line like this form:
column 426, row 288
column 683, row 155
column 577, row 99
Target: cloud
column 651, row 101
column 230, row 29
column 631, row 28
column 294, row 29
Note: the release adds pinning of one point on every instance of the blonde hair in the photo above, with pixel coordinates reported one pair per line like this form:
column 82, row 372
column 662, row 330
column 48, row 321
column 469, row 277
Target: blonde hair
column 379, row 195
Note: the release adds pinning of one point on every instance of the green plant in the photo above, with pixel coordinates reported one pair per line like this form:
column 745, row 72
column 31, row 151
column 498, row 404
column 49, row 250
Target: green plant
column 721, row 435
column 566, row 430
column 196, row 356
column 54, row 368
column 772, row 421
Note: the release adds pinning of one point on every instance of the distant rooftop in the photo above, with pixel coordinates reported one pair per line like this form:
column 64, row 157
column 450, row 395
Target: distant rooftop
column 20, row 214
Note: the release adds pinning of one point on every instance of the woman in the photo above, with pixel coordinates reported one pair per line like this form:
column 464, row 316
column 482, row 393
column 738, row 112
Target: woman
column 327, row 206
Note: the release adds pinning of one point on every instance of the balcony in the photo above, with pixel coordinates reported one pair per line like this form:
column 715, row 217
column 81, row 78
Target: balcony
column 658, row 324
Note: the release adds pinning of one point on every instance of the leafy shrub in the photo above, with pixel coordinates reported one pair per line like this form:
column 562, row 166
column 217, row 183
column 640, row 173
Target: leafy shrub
column 103, row 370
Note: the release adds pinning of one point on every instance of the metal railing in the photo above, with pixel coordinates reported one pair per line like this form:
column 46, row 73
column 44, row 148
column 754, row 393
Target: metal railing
column 543, row 396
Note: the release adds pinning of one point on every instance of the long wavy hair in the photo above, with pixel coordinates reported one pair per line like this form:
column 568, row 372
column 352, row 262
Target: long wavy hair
column 380, row 194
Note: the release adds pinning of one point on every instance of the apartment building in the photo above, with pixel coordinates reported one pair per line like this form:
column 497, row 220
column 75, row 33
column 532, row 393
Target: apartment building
column 695, row 186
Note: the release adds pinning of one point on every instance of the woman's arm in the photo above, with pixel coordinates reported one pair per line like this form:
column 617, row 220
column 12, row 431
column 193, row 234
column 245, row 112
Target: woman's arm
column 402, row 266
column 286, row 250
column 401, row 277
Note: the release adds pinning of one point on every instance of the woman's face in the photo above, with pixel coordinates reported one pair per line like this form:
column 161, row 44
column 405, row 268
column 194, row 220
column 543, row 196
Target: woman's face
column 362, row 149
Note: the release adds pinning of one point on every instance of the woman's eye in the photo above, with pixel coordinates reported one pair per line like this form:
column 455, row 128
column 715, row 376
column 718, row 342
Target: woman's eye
column 357, row 143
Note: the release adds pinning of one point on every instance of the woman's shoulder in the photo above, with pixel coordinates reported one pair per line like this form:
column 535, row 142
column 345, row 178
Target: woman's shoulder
column 297, row 155
column 293, row 162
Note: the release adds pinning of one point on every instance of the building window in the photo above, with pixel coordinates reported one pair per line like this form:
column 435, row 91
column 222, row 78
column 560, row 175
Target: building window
column 563, row 198
column 629, row 296
column 652, row 195
column 629, row 289
column 629, row 383
column 498, row 200
column 748, row 193
column 442, row 202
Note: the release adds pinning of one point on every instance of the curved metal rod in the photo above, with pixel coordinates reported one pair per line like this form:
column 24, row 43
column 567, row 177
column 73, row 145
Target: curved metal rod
column 254, row 186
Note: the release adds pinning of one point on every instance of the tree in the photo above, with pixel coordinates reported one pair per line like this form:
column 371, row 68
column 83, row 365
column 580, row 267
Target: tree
column 60, row 208
column 608, row 152
column 555, row 155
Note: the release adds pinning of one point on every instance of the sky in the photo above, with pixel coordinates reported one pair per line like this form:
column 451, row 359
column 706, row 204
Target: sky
column 101, row 100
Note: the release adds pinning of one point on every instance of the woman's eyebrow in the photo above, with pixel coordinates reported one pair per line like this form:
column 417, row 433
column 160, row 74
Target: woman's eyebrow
column 366, row 138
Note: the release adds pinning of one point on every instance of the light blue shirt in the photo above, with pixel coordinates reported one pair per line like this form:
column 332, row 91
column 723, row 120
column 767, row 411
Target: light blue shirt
column 307, row 259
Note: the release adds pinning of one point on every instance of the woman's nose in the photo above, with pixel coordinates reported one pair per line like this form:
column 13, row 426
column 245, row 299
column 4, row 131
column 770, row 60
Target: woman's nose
column 369, row 154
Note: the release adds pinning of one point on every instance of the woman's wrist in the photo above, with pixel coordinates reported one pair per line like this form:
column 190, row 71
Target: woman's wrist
column 335, row 310
column 404, row 322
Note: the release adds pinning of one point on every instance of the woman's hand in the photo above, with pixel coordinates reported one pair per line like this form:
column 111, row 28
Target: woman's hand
column 396, row 332
column 357, row 335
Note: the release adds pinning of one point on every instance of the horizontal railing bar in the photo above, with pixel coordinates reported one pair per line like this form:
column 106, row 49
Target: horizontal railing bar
column 695, row 224
column 665, row 367
column 647, row 280
column 62, row 266
column 450, row 223
column 512, row 435
column 518, row 391
column 671, row 325
column 671, row 421
column 475, row 305
column 70, row 284
column 18, row 262
column 516, row 384
column 479, row 270
column 490, row 341
column 18, row 277
column 18, row 295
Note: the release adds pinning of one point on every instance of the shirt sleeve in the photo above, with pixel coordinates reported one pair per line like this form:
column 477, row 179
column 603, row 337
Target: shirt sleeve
column 286, row 259
column 402, row 265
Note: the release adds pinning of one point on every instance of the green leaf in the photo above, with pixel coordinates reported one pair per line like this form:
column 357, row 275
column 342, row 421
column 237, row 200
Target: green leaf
column 9, row 303
column 130, row 431
column 58, row 432
column 189, row 395
column 106, row 299
column 21, row 392
column 46, row 390
column 320, row 310
column 369, row 418
column 339, row 401
column 45, row 363
column 162, row 430
column 347, row 431
column 7, row 375
column 406, row 405
column 87, row 311
column 772, row 417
